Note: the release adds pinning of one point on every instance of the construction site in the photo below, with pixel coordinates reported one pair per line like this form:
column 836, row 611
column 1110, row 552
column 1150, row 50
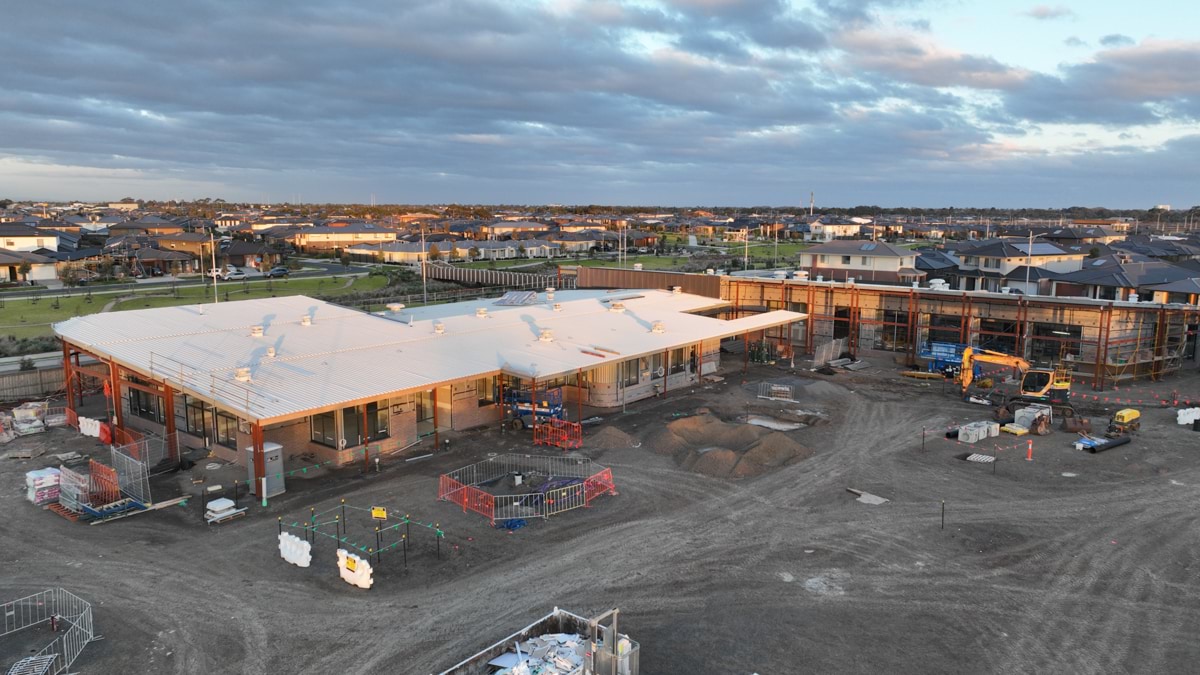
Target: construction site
column 804, row 504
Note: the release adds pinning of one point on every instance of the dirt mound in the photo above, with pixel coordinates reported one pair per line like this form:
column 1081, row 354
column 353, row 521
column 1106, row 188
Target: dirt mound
column 707, row 430
column 771, row 452
column 662, row 441
column 717, row 462
column 609, row 438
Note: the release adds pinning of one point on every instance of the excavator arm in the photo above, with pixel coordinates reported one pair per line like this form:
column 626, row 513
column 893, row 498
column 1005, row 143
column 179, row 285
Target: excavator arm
column 971, row 356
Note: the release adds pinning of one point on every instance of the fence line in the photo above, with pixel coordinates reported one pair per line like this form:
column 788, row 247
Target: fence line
column 489, row 277
column 133, row 478
column 829, row 351
column 59, row 604
column 570, row 483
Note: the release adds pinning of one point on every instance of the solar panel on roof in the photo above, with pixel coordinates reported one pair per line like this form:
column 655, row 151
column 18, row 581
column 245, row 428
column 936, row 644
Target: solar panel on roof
column 517, row 298
column 870, row 246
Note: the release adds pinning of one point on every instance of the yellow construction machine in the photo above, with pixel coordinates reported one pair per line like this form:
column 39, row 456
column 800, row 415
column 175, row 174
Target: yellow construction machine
column 1124, row 421
column 1038, row 385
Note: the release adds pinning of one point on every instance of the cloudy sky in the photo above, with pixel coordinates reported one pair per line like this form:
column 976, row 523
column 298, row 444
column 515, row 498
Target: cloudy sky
column 670, row 102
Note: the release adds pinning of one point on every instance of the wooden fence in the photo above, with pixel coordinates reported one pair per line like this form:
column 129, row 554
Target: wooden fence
column 21, row 385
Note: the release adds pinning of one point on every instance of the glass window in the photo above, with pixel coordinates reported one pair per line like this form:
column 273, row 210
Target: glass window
column 226, row 429
column 678, row 362
column 656, row 366
column 324, row 429
column 485, row 390
column 146, row 405
column 865, row 261
column 631, row 373
column 195, row 417
column 845, row 260
column 377, row 420
column 352, row 425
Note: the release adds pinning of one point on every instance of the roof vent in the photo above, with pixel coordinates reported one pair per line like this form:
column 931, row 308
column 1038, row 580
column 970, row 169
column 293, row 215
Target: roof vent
column 658, row 327
column 306, row 320
column 242, row 375
column 549, row 295
column 546, row 335
column 256, row 331
column 637, row 267
column 395, row 306
column 439, row 328
column 677, row 290
column 481, row 312
column 558, row 306
column 617, row 307
column 270, row 352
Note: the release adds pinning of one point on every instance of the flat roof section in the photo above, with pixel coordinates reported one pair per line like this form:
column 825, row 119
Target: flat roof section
column 311, row 356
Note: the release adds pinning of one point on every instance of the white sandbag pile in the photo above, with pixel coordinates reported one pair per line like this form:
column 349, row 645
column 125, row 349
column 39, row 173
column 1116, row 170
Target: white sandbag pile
column 29, row 418
column 1187, row 415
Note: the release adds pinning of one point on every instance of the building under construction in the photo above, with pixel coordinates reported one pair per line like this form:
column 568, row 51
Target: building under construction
column 1105, row 342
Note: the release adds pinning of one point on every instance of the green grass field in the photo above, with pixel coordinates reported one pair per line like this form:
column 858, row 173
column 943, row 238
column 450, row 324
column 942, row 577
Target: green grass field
column 32, row 318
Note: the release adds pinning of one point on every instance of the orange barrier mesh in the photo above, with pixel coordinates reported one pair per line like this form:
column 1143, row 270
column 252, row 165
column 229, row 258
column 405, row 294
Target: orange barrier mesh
column 559, row 433
column 105, row 487
column 599, row 484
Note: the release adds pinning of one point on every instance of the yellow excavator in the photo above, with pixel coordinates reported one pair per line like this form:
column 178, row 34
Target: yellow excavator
column 1038, row 385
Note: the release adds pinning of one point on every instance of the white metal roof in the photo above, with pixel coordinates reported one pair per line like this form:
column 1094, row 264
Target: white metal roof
column 346, row 356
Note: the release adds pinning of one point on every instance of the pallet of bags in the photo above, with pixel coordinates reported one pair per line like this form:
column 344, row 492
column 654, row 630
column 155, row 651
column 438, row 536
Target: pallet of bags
column 41, row 486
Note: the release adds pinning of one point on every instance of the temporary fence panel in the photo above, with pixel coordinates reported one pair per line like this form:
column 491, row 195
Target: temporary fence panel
column 103, row 488
column 559, row 433
column 776, row 392
column 599, row 484
column 565, row 498
column 72, row 419
column 132, row 477
column 61, row 605
column 72, row 489
column 507, row 507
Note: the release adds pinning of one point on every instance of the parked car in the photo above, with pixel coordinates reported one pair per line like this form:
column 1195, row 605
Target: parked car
column 215, row 273
column 279, row 271
column 234, row 275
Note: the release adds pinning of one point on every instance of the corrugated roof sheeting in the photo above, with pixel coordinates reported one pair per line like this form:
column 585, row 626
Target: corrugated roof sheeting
column 346, row 356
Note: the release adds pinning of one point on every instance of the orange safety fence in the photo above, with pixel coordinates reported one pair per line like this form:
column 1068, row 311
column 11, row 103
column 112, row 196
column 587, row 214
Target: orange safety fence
column 105, row 488
column 469, row 498
column 72, row 419
column 559, row 433
column 123, row 437
column 598, row 484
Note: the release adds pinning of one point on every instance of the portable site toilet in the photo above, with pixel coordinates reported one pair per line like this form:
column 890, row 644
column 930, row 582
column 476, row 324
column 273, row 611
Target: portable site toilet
column 273, row 468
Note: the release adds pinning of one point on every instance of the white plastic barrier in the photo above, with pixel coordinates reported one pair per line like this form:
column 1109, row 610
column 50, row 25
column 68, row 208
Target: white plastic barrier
column 355, row 571
column 295, row 550
column 1187, row 415
column 89, row 427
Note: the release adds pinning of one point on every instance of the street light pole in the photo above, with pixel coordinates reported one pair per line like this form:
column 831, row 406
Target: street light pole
column 212, row 248
column 424, row 261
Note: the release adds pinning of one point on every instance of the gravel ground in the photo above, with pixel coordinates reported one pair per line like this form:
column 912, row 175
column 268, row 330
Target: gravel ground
column 1069, row 563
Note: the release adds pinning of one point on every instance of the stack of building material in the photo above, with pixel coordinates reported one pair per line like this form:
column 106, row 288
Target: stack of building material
column 222, row 509
column 1015, row 429
column 550, row 654
column 29, row 418
column 1026, row 416
column 42, row 486
column 1187, row 415
column 978, row 431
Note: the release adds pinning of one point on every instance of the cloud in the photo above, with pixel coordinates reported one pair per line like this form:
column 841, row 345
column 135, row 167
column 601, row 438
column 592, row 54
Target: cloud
column 1142, row 84
column 922, row 62
column 1116, row 40
column 1048, row 13
column 1075, row 41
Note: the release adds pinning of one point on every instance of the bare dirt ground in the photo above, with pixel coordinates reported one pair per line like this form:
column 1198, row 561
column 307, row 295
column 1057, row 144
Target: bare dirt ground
column 1070, row 563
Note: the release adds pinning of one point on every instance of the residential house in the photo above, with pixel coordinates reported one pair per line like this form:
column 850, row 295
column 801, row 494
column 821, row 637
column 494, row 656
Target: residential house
column 248, row 254
column 991, row 265
column 41, row 268
column 329, row 237
column 865, row 261
column 827, row 228
column 18, row 237
column 1120, row 278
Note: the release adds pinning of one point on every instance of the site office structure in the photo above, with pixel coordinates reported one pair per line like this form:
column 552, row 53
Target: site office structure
column 332, row 381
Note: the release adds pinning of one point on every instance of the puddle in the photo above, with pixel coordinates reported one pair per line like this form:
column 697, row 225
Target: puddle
column 772, row 423
column 823, row 586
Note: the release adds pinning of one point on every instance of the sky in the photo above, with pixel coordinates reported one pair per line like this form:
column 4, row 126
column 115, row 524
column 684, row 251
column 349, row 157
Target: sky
column 938, row 103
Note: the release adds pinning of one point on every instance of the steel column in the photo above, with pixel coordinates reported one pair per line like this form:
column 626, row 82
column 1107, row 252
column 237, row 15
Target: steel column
column 260, row 464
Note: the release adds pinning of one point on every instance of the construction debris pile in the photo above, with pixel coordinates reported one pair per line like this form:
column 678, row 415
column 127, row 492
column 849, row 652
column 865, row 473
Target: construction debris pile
column 41, row 486
column 550, row 654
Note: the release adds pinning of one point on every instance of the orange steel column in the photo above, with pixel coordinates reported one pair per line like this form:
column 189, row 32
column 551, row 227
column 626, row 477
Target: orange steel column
column 579, row 394
column 116, row 391
column 68, row 376
column 366, row 436
column 260, row 465
column 666, row 369
column 169, row 404
column 436, row 435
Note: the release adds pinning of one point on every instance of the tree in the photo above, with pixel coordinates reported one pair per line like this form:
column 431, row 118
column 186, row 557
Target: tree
column 434, row 252
column 345, row 260
column 474, row 253
column 1094, row 252
column 70, row 277
column 521, row 250
column 5, row 203
column 24, row 269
